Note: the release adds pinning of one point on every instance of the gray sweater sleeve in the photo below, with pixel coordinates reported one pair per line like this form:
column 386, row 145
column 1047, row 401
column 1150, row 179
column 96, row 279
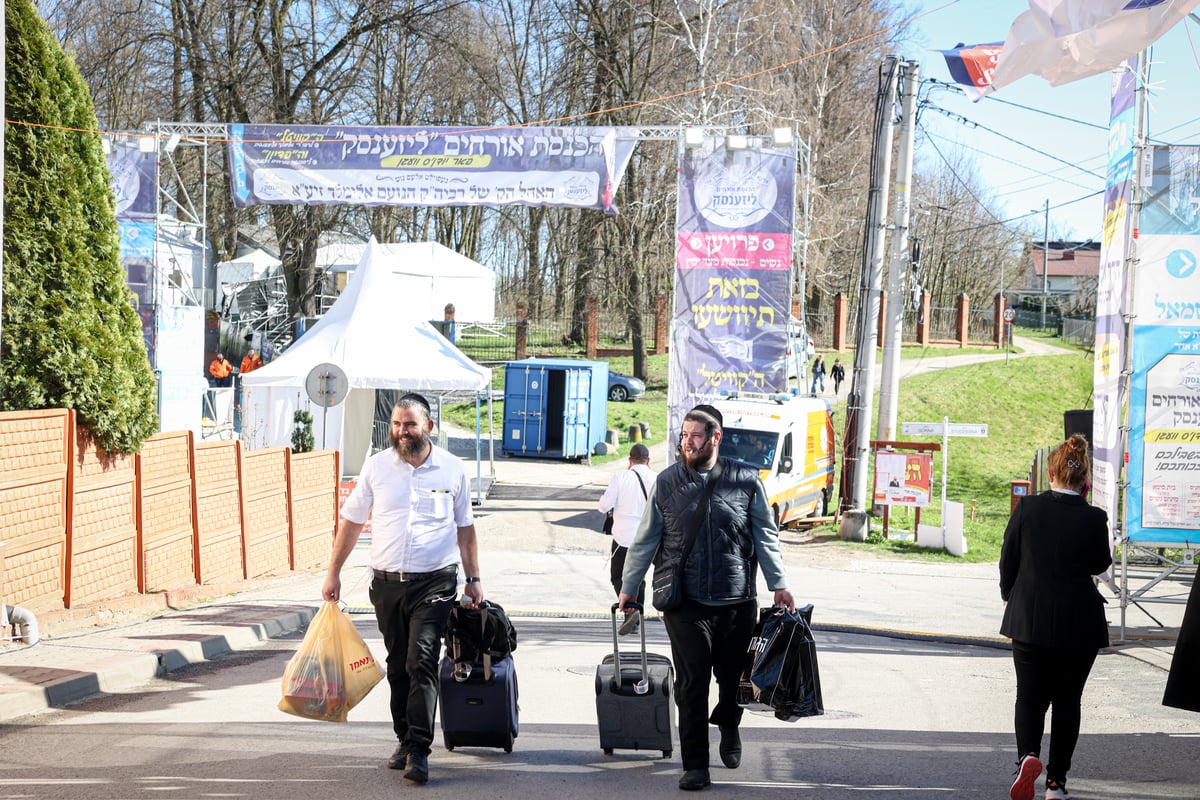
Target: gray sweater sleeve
column 766, row 540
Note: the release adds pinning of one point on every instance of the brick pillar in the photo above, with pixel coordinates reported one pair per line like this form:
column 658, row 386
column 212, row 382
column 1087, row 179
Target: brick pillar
column 660, row 325
column 522, row 336
column 839, row 321
column 592, row 337
column 998, row 321
column 960, row 323
column 882, row 318
column 924, row 323
column 796, row 301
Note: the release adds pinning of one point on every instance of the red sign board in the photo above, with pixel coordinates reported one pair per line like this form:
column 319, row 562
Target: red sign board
column 344, row 490
column 903, row 479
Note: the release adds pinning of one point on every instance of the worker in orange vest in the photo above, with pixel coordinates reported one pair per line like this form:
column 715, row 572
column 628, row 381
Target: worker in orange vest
column 221, row 370
column 250, row 362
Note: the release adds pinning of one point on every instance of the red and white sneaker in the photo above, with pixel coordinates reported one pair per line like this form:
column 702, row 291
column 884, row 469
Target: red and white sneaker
column 1029, row 768
column 1057, row 790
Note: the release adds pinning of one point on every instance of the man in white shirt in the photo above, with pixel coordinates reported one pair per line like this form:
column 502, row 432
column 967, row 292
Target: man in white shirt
column 626, row 498
column 419, row 502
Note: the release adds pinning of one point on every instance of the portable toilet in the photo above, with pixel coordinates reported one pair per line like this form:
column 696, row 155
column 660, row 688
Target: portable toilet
column 554, row 407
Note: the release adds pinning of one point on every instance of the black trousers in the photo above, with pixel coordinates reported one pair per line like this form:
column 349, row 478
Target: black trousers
column 1050, row 676
column 412, row 618
column 707, row 641
column 616, row 566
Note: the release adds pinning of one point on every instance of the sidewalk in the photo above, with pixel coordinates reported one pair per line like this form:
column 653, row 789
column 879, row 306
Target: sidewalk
column 542, row 557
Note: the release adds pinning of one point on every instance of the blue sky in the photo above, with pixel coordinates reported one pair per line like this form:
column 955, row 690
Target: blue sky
column 1020, row 178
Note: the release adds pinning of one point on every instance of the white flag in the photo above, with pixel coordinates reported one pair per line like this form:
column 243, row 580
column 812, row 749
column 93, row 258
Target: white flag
column 1065, row 40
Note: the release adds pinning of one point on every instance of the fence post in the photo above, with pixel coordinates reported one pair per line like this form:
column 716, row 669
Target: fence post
column 960, row 324
column 660, row 325
column 591, row 340
column 883, row 300
column 998, row 321
column 924, row 323
column 522, row 333
column 839, row 321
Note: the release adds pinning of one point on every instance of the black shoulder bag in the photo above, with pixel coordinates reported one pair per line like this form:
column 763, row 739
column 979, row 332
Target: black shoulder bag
column 668, row 583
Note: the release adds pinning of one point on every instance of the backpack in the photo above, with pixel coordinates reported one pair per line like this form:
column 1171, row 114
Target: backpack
column 472, row 633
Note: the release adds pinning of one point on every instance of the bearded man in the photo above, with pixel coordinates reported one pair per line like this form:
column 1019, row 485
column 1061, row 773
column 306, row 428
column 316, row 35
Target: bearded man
column 419, row 502
column 711, row 539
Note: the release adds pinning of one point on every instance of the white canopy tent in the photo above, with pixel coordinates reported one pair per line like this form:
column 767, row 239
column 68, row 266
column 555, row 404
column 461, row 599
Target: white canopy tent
column 360, row 334
column 432, row 275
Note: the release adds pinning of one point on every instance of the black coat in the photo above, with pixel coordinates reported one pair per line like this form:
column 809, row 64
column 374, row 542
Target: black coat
column 1183, row 681
column 1053, row 546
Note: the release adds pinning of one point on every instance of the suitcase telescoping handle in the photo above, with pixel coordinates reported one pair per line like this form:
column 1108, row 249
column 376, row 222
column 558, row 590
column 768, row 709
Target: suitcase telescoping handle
column 642, row 686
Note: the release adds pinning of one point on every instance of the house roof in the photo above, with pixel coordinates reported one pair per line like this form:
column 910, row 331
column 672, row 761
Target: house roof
column 1066, row 259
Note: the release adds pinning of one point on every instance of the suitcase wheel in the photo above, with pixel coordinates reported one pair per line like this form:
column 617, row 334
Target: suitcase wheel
column 666, row 753
column 448, row 742
column 508, row 745
column 608, row 751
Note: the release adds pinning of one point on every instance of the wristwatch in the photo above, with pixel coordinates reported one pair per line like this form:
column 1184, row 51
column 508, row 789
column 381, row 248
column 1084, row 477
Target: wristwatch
column 472, row 579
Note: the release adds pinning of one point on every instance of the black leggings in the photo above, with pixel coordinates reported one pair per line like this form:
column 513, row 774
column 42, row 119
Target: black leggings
column 1049, row 676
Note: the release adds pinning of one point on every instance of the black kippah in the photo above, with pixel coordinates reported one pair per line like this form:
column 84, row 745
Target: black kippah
column 708, row 410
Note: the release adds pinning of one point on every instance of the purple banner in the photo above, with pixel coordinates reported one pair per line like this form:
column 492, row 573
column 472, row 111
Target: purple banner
column 133, row 180
column 733, row 262
column 374, row 166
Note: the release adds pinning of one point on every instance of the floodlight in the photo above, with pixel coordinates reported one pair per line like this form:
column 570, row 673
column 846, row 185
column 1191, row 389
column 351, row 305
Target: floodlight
column 172, row 143
column 105, row 145
column 147, row 144
column 693, row 137
column 782, row 137
column 736, row 141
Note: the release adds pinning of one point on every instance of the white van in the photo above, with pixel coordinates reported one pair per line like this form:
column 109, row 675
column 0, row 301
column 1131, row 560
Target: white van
column 790, row 440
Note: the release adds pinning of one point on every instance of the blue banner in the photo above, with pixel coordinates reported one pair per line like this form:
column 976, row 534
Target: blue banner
column 377, row 166
column 1163, row 499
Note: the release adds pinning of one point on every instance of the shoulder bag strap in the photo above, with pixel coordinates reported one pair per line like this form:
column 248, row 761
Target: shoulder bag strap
column 642, row 485
column 701, row 509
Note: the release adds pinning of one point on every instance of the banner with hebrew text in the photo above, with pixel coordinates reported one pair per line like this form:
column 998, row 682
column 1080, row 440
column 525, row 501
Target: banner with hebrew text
column 1163, row 499
column 1108, row 449
column 733, row 260
column 393, row 166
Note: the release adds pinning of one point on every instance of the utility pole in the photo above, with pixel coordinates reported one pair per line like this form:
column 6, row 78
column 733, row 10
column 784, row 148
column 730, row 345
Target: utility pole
column 854, row 522
column 1045, row 262
column 893, row 332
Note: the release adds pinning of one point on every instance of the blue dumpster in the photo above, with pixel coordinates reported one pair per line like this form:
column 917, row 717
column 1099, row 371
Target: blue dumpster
column 554, row 407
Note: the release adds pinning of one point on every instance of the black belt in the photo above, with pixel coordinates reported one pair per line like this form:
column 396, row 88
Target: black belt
column 405, row 577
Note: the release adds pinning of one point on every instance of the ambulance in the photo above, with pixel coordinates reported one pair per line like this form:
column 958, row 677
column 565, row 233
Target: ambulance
column 790, row 441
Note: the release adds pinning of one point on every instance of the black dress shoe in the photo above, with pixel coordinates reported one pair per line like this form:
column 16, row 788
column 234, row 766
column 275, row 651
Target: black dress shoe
column 694, row 780
column 418, row 768
column 399, row 758
column 731, row 746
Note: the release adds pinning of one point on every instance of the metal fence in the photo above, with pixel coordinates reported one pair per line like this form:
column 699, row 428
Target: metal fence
column 981, row 326
column 1080, row 331
column 820, row 328
column 496, row 342
column 942, row 324
column 1031, row 318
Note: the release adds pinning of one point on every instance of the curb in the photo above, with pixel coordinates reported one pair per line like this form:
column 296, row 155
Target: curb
column 114, row 671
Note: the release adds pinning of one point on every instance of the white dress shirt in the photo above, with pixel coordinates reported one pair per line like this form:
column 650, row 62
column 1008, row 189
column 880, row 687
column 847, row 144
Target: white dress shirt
column 625, row 499
column 415, row 512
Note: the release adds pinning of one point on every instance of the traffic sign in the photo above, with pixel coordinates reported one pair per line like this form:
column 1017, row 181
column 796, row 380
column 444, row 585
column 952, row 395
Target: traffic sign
column 1009, row 315
column 979, row 430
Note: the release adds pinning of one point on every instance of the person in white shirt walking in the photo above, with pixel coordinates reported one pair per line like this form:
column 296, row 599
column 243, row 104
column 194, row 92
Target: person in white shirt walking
column 419, row 501
column 626, row 498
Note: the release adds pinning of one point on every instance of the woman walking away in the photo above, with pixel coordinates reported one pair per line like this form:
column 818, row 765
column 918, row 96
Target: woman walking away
column 1055, row 542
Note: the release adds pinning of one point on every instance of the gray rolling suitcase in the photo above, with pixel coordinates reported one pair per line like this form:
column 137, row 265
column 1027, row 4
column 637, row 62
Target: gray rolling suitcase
column 633, row 698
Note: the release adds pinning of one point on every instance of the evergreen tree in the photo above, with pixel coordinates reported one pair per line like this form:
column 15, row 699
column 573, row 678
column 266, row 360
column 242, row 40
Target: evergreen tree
column 70, row 336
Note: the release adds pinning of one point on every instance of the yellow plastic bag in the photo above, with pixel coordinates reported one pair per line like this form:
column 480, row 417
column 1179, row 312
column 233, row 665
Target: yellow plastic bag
column 331, row 671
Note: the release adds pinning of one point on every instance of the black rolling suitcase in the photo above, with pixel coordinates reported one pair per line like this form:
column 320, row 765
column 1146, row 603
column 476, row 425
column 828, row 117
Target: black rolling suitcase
column 477, row 696
column 633, row 702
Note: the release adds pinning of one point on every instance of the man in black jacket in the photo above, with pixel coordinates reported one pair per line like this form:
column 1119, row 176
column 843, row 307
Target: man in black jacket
column 710, row 629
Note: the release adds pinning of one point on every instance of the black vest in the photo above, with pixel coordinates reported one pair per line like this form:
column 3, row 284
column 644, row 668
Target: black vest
column 722, row 565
